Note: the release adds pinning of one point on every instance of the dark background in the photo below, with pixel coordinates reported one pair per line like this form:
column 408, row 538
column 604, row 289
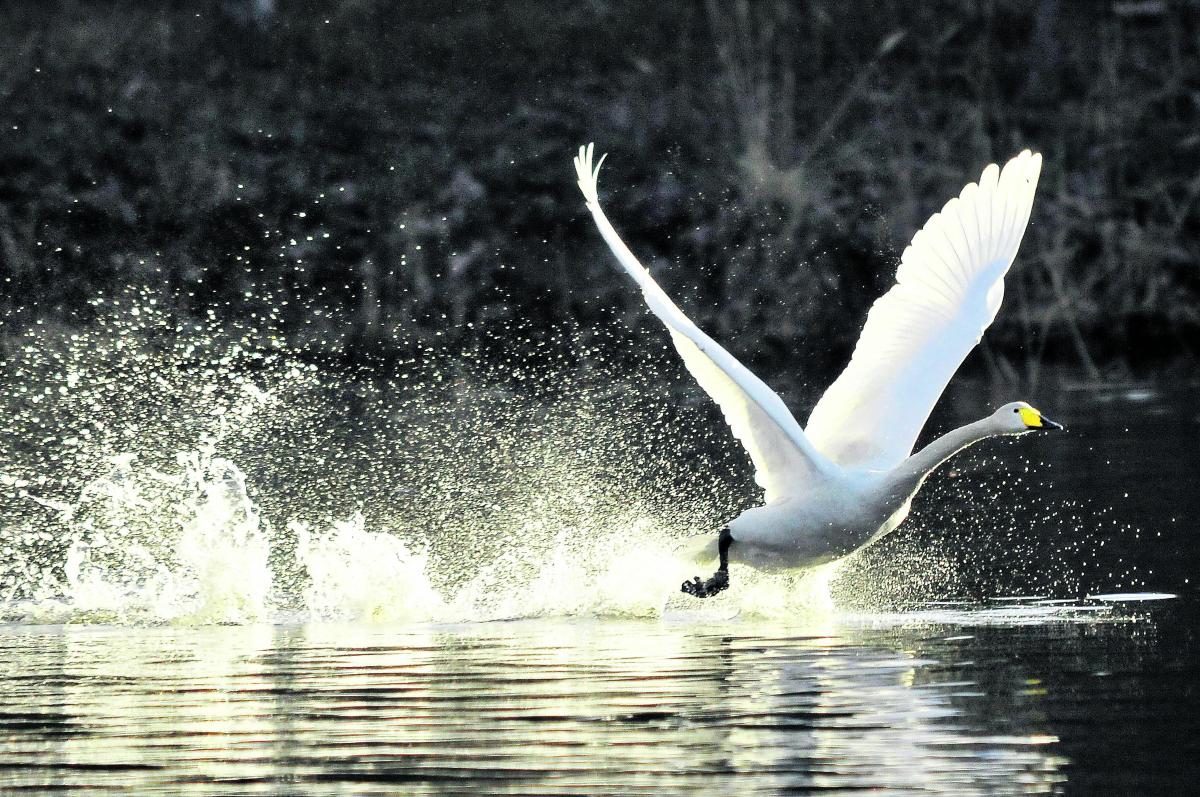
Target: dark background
column 367, row 177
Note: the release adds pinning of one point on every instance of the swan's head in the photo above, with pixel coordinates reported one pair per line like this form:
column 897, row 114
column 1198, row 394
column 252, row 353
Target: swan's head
column 1018, row 418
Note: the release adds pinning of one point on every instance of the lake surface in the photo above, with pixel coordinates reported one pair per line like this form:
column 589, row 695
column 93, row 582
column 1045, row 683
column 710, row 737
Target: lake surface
column 1001, row 673
column 1013, row 704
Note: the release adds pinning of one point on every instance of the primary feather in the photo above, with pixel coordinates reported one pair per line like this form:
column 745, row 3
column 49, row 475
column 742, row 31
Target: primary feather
column 784, row 460
column 948, row 289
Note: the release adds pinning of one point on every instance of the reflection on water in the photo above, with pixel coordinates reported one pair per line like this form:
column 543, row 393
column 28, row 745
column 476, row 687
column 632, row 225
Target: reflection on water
column 581, row 707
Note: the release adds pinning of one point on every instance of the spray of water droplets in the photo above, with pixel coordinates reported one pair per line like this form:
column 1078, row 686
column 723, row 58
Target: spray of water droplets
column 162, row 470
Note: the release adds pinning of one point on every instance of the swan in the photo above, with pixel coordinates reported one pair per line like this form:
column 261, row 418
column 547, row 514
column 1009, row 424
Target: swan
column 849, row 477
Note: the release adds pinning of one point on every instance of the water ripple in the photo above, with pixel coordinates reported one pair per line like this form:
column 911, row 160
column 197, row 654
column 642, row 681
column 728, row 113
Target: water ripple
column 561, row 707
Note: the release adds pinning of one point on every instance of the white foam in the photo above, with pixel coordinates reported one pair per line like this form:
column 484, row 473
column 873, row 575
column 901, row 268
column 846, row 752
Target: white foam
column 151, row 547
column 360, row 575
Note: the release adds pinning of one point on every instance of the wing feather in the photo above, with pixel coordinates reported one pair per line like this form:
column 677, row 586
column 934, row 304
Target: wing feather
column 948, row 289
column 784, row 460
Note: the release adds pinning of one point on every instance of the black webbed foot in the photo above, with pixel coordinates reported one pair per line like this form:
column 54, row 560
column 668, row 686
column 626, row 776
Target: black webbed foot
column 706, row 589
column 720, row 579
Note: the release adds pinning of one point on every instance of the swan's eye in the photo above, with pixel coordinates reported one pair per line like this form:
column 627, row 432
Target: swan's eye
column 1016, row 409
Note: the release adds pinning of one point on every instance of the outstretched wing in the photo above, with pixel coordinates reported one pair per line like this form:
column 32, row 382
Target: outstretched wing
column 948, row 288
column 784, row 460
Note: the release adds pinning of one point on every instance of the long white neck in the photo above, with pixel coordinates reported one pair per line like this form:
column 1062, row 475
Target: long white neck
column 907, row 477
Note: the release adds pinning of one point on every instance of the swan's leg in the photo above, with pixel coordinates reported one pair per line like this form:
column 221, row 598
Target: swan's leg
column 720, row 579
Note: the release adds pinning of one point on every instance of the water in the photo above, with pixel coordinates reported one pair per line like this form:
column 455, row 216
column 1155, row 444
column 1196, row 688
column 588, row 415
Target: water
column 226, row 570
column 923, row 705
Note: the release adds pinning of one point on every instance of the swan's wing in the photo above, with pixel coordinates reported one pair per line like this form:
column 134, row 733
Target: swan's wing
column 784, row 461
column 948, row 288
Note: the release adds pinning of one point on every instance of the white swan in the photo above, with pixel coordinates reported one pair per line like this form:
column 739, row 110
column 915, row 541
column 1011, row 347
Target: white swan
column 849, row 477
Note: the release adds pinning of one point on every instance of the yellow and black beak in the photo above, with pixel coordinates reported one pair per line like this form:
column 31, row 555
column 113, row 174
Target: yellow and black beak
column 1049, row 425
column 1034, row 420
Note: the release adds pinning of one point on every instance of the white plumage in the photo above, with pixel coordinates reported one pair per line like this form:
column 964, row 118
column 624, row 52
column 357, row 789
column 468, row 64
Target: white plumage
column 948, row 289
column 849, row 476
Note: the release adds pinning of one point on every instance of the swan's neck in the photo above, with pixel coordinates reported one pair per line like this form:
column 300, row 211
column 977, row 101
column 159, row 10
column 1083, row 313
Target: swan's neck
column 912, row 472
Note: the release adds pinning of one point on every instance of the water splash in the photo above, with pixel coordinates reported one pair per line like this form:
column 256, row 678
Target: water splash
column 167, row 471
column 360, row 575
column 187, row 546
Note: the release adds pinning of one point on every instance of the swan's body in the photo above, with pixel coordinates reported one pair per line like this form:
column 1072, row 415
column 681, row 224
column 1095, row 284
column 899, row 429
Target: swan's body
column 851, row 507
column 848, row 478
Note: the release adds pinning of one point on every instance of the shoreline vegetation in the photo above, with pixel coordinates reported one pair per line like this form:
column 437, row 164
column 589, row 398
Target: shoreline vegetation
column 377, row 179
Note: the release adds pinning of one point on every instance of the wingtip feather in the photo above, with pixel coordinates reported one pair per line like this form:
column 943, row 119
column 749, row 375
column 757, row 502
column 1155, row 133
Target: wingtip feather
column 587, row 174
